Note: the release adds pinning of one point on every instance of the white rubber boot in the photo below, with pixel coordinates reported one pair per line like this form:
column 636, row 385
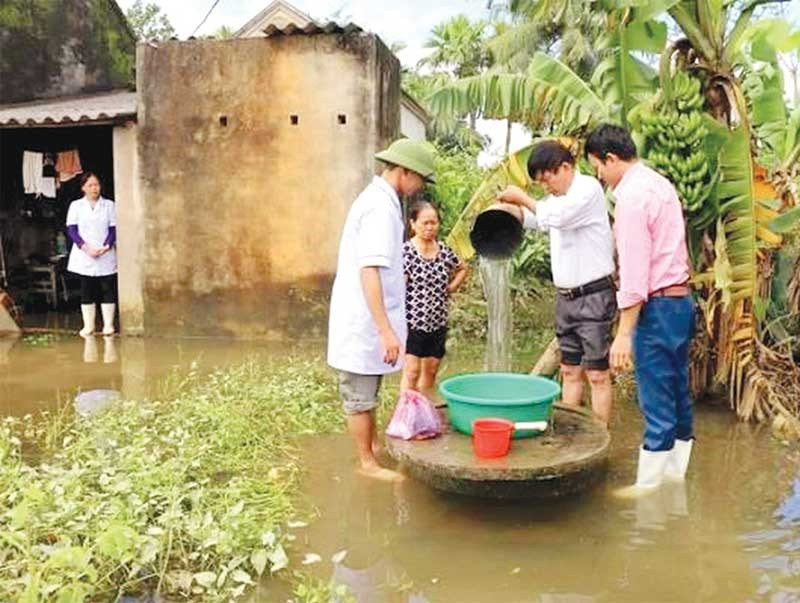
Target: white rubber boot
column 89, row 313
column 108, row 318
column 678, row 461
column 649, row 473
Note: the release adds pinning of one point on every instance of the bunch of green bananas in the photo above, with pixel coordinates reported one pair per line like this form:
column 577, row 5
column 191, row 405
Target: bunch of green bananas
column 674, row 135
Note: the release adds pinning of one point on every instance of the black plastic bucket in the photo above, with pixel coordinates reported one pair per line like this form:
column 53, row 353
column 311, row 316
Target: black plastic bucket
column 496, row 234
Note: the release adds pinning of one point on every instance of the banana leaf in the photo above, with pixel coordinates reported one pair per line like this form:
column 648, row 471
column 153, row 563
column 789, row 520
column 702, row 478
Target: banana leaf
column 548, row 88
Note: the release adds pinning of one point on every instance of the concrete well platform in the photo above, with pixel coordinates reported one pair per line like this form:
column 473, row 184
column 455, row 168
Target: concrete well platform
column 570, row 457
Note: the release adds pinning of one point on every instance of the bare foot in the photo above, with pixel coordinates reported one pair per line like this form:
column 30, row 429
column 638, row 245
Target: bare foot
column 376, row 448
column 380, row 473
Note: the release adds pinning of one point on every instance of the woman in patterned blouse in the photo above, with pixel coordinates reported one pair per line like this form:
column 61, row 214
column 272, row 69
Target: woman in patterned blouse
column 433, row 272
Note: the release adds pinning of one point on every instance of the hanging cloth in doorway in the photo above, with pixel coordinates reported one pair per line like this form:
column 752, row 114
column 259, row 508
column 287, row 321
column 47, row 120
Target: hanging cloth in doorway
column 68, row 165
column 48, row 177
column 32, row 166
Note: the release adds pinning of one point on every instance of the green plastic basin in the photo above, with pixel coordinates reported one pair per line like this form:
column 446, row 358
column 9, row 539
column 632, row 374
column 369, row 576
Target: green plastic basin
column 513, row 396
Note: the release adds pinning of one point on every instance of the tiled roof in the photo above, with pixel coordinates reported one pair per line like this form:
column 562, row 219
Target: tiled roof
column 99, row 107
column 310, row 29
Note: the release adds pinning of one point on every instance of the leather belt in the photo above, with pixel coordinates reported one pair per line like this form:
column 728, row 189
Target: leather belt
column 600, row 284
column 681, row 290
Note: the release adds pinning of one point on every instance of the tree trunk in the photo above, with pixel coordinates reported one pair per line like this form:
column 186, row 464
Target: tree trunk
column 508, row 136
column 549, row 361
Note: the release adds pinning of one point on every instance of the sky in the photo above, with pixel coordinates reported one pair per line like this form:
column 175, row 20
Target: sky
column 407, row 21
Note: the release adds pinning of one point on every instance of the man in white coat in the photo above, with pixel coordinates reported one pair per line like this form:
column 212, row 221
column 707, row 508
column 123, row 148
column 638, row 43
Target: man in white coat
column 367, row 325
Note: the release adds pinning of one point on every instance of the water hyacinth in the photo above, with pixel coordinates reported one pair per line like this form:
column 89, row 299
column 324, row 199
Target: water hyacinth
column 188, row 495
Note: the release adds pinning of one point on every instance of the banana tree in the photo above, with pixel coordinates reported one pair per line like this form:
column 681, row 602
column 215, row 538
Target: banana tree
column 547, row 93
column 719, row 40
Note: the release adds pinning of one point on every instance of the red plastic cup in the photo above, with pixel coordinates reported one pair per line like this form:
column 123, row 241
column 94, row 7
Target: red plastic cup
column 491, row 438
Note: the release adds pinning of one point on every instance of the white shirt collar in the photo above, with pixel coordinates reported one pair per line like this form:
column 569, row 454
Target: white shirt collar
column 387, row 188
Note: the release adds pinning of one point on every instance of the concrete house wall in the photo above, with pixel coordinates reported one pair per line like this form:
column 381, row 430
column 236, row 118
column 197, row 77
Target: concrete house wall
column 250, row 152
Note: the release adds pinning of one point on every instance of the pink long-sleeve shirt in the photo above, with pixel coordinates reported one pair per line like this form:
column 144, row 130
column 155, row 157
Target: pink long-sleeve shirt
column 650, row 234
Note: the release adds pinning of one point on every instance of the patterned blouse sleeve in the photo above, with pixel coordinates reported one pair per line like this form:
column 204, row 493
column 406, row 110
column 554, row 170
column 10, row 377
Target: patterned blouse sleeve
column 451, row 259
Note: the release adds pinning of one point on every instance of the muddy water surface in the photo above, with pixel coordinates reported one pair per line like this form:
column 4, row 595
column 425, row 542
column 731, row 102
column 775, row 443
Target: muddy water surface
column 731, row 533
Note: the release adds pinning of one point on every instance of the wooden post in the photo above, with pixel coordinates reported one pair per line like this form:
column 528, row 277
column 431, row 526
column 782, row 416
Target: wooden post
column 549, row 361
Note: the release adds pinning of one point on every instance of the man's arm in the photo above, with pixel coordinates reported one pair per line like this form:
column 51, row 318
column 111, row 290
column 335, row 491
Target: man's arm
column 621, row 353
column 525, row 207
column 373, row 294
column 517, row 196
column 574, row 210
column 633, row 250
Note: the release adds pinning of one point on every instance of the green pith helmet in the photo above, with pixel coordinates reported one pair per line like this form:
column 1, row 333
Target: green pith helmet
column 415, row 155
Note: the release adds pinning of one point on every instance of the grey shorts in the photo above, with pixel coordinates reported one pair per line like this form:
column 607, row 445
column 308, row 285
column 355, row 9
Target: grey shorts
column 359, row 392
column 583, row 328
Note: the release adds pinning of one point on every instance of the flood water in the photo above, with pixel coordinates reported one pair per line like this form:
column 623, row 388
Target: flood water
column 732, row 533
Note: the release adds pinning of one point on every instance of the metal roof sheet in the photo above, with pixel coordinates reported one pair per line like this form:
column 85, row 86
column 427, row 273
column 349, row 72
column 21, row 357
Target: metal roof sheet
column 88, row 108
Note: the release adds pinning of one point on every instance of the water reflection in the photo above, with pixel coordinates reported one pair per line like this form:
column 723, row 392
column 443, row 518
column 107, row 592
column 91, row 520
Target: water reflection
column 654, row 510
column 89, row 349
column 730, row 533
column 680, row 543
column 6, row 343
column 777, row 551
column 40, row 373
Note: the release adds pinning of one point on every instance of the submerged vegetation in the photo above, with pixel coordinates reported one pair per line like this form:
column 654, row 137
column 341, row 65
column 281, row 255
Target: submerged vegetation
column 190, row 495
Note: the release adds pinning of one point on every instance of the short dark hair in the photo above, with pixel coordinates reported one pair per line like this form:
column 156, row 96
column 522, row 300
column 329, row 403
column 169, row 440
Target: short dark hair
column 86, row 175
column 420, row 204
column 608, row 138
column 548, row 156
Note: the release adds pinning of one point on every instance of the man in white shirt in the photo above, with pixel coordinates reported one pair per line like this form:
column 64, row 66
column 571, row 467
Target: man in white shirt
column 582, row 261
column 367, row 325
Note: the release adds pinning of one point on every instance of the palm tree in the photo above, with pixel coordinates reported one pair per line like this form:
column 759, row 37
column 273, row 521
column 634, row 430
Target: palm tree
column 458, row 49
column 567, row 29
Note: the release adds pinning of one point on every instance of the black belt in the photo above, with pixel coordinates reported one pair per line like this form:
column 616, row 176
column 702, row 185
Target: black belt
column 600, row 284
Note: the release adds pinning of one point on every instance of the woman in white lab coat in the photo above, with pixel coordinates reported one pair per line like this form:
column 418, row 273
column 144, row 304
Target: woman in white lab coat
column 92, row 226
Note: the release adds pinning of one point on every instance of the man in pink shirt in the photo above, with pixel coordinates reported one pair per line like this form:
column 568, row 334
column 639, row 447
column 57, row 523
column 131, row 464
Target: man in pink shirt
column 657, row 310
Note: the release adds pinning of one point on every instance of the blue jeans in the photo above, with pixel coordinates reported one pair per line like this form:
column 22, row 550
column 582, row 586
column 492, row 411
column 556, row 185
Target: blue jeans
column 661, row 352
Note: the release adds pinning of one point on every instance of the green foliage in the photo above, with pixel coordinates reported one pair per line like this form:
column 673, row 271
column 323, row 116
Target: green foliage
column 40, row 38
column 567, row 29
column 530, row 265
column 149, row 22
column 313, row 590
column 41, row 340
column 458, row 46
column 548, row 94
column 532, row 308
column 447, row 131
column 187, row 496
column 223, row 33
column 457, row 176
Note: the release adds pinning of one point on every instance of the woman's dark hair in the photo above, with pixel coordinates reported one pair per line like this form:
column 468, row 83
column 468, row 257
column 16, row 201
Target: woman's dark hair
column 548, row 156
column 608, row 138
column 417, row 206
column 86, row 175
